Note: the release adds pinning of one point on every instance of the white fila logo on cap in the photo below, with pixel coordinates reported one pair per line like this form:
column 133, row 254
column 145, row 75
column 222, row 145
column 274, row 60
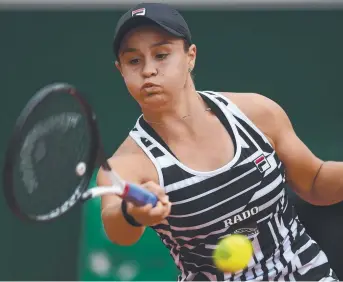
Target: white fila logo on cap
column 138, row 12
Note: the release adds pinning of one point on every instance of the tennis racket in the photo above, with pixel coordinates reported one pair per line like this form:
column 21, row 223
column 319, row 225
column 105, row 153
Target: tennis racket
column 52, row 154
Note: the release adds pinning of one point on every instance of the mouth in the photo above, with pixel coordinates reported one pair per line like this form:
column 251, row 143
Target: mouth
column 151, row 89
column 148, row 85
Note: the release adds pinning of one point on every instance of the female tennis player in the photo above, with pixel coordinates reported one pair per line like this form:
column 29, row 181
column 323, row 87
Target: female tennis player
column 218, row 162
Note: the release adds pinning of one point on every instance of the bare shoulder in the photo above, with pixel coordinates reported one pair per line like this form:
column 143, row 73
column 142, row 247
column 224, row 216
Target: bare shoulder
column 265, row 113
column 131, row 163
column 128, row 147
column 254, row 105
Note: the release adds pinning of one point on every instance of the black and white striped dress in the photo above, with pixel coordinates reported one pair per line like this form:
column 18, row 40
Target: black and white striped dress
column 246, row 196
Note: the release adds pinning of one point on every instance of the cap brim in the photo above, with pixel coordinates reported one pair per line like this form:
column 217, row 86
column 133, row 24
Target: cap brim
column 135, row 22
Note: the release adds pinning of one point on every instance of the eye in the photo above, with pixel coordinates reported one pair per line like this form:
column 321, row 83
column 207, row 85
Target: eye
column 134, row 61
column 161, row 56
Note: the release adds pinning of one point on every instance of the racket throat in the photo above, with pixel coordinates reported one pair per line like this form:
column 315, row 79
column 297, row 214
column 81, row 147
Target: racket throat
column 125, row 191
column 115, row 179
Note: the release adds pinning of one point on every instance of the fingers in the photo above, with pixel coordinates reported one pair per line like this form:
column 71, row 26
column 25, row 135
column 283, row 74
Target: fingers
column 157, row 190
column 160, row 210
column 149, row 215
column 141, row 210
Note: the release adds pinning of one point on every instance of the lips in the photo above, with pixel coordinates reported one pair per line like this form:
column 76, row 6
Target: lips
column 149, row 84
column 151, row 88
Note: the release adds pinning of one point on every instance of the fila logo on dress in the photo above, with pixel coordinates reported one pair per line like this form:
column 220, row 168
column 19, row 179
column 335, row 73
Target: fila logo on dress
column 262, row 163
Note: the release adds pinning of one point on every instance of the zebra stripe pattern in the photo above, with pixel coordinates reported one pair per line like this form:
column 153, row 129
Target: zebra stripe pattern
column 246, row 196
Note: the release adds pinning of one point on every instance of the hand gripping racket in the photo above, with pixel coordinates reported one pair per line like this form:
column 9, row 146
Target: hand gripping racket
column 52, row 154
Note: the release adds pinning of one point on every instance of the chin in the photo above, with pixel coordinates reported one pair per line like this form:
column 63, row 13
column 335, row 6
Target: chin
column 154, row 102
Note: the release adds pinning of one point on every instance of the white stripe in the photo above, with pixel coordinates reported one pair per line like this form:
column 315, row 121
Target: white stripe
column 151, row 146
column 215, row 189
column 173, row 247
column 184, row 183
column 202, row 236
column 227, row 276
column 244, row 144
column 218, row 204
column 272, row 201
column 318, row 260
column 270, row 265
column 248, row 135
column 200, row 264
column 286, row 206
column 305, row 247
column 328, row 279
column 190, row 247
column 210, row 276
column 262, row 207
column 271, row 160
column 302, row 231
column 200, row 255
column 250, row 158
column 284, row 273
column 136, row 138
column 236, row 111
column 164, row 161
column 211, row 247
column 283, row 231
column 269, row 216
column 259, row 256
column 208, row 223
column 273, row 234
column 267, row 189
column 227, row 166
column 168, row 234
column 250, row 274
column 288, row 254
column 294, row 228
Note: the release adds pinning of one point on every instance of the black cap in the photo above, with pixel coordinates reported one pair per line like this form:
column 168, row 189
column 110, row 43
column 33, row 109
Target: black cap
column 159, row 14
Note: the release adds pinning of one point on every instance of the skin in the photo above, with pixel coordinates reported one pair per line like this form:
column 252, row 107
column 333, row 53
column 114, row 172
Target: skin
column 155, row 68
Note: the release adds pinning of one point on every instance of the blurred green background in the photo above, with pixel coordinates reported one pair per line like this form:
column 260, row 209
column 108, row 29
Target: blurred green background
column 293, row 57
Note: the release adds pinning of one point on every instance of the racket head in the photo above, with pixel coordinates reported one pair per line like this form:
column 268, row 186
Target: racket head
column 26, row 188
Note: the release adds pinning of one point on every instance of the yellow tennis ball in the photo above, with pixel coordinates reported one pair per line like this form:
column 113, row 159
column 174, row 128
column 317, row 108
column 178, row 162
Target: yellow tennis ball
column 233, row 253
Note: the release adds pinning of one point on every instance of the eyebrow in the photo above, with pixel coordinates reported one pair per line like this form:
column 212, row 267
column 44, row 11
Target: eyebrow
column 161, row 43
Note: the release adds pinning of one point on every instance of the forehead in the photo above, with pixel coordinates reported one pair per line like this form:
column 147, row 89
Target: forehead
column 147, row 34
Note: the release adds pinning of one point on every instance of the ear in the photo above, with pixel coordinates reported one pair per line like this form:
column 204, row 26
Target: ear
column 192, row 54
column 118, row 66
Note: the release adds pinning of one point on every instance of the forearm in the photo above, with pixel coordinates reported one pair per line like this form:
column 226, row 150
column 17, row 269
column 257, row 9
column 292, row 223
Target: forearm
column 327, row 187
column 118, row 230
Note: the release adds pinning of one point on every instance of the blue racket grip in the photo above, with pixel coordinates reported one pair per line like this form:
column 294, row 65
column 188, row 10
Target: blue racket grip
column 139, row 196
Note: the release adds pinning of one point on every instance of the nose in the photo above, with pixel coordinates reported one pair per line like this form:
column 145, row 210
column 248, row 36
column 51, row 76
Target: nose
column 149, row 69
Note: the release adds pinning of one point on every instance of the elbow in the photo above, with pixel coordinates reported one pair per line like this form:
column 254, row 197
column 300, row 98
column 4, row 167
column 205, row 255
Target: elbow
column 313, row 196
column 318, row 202
column 317, row 199
column 121, row 240
column 121, row 236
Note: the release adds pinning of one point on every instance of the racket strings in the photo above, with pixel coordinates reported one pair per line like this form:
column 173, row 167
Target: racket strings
column 55, row 139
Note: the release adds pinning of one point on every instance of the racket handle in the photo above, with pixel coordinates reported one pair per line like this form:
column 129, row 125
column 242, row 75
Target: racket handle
column 139, row 196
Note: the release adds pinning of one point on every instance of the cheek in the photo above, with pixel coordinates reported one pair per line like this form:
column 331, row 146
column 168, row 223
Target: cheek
column 175, row 73
column 132, row 81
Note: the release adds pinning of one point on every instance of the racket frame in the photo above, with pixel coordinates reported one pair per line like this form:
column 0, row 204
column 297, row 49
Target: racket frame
column 15, row 140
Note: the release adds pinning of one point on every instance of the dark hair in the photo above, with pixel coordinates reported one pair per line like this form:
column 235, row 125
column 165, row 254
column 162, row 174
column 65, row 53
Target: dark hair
column 186, row 45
